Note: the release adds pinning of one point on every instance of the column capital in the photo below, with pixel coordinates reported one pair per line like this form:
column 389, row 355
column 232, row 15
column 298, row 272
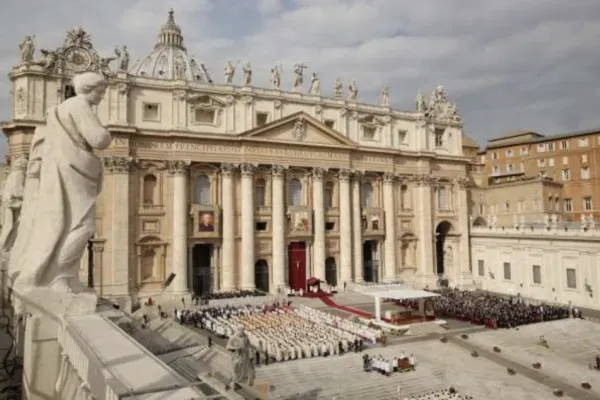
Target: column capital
column 422, row 180
column 278, row 170
column 247, row 169
column 318, row 172
column 228, row 169
column 357, row 175
column 462, row 182
column 389, row 177
column 344, row 175
column 178, row 167
column 118, row 164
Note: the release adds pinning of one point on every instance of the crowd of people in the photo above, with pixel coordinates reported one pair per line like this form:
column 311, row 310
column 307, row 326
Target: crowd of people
column 236, row 294
column 386, row 367
column 492, row 311
column 279, row 332
column 444, row 394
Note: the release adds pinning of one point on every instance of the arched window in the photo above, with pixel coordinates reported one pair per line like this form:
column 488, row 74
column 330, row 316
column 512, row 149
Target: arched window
column 328, row 195
column 259, row 192
column 150, row 189
column 367, row 195
column 203, row 191
column 147, row 263
column 404, row 199
column 442, row 201
column 295, row 193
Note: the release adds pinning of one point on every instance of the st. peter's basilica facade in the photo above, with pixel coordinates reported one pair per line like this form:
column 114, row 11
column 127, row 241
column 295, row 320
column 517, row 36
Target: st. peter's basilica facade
column 234, row 186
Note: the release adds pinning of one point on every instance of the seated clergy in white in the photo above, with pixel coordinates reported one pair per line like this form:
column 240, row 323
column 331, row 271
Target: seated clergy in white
column 68, row 176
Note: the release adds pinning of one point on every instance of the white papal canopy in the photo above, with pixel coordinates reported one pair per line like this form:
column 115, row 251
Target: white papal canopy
column 170, row 60
column 396, row 294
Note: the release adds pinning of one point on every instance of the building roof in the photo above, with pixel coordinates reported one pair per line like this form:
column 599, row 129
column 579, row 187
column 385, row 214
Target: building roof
column 169, row 60
column 516, row 138
column 468, row 142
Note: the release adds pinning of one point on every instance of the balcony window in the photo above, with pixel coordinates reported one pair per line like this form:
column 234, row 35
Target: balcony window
column 260, row 187
column 203, row 191
column 367, row 195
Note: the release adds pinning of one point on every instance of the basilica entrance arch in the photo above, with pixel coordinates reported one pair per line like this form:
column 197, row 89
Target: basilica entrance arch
column 297, row 265
column 441, row 236
column 201, row 268
column 370, row 263
column 331, row 271
column 261, row 275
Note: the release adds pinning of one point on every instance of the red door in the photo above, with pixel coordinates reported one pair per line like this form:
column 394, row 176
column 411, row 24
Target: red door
column 297, row 265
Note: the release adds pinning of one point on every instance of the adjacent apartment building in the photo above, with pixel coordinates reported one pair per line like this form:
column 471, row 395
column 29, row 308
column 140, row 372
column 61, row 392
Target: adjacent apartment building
column 569, row 159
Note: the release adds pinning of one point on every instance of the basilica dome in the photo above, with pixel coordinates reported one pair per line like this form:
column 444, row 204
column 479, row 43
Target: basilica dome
column 169, row 60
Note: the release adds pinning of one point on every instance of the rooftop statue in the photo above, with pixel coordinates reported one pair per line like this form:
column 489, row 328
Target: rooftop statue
column 27, row 48
column 63, row 181
column 12, row 199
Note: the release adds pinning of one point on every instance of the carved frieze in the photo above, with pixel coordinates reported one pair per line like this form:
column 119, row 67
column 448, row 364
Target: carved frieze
column 21, row 101
column 152, row 165
column 318, row 109
column 300, row 129
column 178, row 167
column 422, row 180
column 462, row 182
column 277, row 104
column 118, row 164
column 247, row 100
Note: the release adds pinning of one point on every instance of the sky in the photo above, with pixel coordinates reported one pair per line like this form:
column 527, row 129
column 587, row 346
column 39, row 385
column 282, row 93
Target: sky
column 508, row 64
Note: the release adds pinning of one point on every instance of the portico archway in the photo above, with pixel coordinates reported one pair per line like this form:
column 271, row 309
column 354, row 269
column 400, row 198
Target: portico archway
column 441, row 236
column 331, row 271
column 261, row 275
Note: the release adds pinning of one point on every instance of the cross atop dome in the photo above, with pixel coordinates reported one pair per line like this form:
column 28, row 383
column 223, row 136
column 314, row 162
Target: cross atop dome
column 170, row 33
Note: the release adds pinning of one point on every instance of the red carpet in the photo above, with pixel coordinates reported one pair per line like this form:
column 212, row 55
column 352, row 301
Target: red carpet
column 327, row 300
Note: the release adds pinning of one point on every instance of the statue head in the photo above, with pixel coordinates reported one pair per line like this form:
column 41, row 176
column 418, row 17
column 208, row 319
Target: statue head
column 20, row 164
column 91, row 86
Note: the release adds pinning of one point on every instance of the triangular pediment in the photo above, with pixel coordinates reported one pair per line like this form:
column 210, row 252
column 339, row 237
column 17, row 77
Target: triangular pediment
column 299, row 128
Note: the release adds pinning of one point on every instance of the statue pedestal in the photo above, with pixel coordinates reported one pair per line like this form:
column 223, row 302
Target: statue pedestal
column 43, row 311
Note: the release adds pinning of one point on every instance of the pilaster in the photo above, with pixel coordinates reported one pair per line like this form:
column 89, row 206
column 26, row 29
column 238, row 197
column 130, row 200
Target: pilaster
column 247, row 275
column 278, row 226
column 345, row 227
column 424, row 224
column 464, row 259
column 229, row 247
column 357, row 227
column 119, row 255
column 389, row 206
column 178, row 169
column 319, row 223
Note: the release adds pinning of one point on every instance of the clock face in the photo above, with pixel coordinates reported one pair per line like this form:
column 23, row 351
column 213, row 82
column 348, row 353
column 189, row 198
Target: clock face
column 78, row 59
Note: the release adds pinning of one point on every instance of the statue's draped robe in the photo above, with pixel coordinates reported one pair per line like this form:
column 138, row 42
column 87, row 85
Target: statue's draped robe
column 243, row 363
column 63, row 208
column 12, row 189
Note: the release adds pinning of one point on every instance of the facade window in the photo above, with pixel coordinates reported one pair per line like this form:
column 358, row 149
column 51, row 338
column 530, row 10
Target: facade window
column 541, row 163
column 584, row 158
column 537, row 274
column 495, row 155
column 564, row 145
column 150, row 189
column 524, row 151
column 262, row 118
column 295, row 192
column 260, row 188
column 330, row 123
column 481, row 267
column 509, row 168
column 587, row 203
column 509, row 153
column 151, row 112
column 551, row 162
column 442, row 200
column 541, row 148
column 404, row 199
column 328, row 195
column 565, row 174
column 565, row 160
column 568, row 205
column 583, row 142
column 522, row 166
column 507, row 206
column 556, row 204
column 571, row 278
column 203, row 191
column 550, row 146
column 439, row 138
column 367, row 195
column 585, row 173
column 402, row 136
column 507, row 271
column 495, row 170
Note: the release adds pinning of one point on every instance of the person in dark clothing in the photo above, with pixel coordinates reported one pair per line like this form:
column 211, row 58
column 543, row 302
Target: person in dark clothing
column 210, row 341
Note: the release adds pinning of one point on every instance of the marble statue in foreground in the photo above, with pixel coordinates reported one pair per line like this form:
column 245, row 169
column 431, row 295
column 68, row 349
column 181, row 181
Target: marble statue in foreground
column 243, row 357
column 64, row 179
column 12, row 199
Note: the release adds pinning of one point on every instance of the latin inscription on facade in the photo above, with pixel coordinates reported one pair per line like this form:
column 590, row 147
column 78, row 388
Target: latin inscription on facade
column 295, row 153
column 183, row 147
column 374, row 159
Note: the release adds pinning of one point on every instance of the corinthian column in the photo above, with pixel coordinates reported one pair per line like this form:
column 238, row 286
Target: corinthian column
column 345, row 227
column 357, row 228
column 178, row 170
column 228, row 248
column 278, row 227
column 319, row 209
column 390, row 227
column 247, row 227
column 119, row 168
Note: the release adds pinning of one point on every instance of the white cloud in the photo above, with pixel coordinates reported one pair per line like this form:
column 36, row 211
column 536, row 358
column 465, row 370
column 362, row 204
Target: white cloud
column 509, row 64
